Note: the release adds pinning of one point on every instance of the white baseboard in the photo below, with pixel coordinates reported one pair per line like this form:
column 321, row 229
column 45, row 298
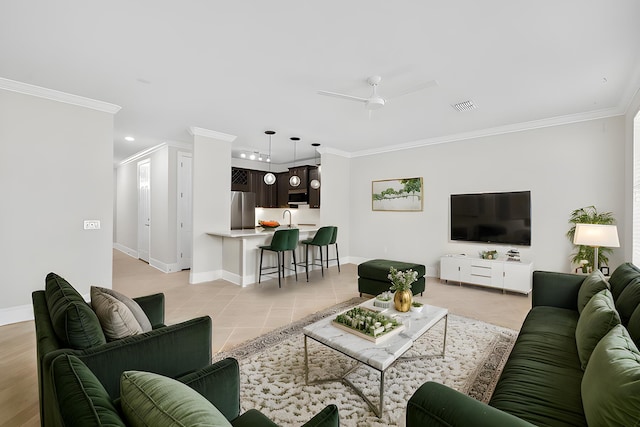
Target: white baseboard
column 20, row 313
column 164, row 267
column 122, row 248
column 205, row 276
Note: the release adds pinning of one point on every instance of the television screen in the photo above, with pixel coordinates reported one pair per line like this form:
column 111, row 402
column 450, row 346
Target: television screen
column 492, row 217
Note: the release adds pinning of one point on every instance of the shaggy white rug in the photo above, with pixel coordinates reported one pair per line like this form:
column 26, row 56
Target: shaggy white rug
column 272, row 371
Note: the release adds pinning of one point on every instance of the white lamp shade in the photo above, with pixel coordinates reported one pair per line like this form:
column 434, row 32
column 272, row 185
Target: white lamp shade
column 315, row 184
column 596, row 235
column 294, row 181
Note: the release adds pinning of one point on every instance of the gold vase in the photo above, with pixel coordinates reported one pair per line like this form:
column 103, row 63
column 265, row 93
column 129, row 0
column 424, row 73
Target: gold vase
column 402, row 300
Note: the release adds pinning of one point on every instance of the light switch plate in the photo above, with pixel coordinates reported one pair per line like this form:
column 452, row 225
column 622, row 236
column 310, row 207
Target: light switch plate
column 92, row 224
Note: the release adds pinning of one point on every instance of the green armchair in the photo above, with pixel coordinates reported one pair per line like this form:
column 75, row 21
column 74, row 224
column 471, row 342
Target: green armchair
column 81, row 400
column 66, row 324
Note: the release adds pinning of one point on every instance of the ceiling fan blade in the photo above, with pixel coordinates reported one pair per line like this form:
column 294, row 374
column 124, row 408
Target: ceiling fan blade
column 417, row 88
column 341, row 95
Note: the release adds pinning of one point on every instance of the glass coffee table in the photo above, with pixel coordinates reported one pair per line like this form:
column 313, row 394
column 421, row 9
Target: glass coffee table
column 379, row 356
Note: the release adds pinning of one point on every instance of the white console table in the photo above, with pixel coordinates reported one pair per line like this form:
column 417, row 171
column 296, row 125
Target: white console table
column 495, row 273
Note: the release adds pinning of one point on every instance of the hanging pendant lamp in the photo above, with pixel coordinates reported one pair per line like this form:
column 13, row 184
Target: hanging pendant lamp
column 269, row 178
column 315, row 184
column 294, row 181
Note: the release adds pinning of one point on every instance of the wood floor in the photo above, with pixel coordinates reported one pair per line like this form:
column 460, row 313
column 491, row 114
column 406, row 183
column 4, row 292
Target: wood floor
column 227, row 305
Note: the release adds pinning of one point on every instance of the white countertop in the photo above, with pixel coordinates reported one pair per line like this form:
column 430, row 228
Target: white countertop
column 260, row 232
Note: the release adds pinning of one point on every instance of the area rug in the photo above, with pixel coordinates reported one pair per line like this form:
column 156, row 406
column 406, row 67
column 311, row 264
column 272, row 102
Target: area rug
column 272, row 371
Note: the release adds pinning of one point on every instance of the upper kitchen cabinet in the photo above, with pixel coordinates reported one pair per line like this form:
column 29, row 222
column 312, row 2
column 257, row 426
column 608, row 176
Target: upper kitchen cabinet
column 314, row 193
column 303, row 174
column 282, row 184
column 240, row 179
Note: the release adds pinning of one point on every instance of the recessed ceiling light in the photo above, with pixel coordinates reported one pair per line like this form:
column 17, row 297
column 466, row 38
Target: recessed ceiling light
column 129, row 138
column 243, row 155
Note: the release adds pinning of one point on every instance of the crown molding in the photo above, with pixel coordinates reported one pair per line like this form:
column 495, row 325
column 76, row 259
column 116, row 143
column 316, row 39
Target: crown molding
column 519, row 127
column 54, row 95
column 211, row 134
column 335, row 151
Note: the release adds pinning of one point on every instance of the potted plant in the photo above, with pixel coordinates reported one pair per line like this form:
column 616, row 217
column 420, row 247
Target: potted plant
column 401, row 284
column 416, row 306
column 589, row 215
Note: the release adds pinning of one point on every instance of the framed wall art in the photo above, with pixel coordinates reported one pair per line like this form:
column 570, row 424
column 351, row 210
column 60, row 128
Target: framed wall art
column 402, row 195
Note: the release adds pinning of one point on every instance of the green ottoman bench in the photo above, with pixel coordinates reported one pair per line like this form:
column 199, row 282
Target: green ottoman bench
column 373, row 274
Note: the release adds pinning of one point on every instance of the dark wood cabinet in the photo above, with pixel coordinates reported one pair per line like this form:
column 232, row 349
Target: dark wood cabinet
column 240, row 179
column 282, row 184
column 314, row 194
column 302, row 172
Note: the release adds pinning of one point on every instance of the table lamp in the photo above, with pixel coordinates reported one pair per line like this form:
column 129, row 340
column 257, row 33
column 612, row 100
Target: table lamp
column 596, row 236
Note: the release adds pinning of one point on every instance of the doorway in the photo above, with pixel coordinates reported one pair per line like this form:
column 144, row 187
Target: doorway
column 185, row 216
column 144, row 210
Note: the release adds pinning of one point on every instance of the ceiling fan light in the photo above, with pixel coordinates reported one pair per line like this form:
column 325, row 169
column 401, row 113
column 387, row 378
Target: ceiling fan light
column 294, row 181
column 269, row 178
column 375, row 103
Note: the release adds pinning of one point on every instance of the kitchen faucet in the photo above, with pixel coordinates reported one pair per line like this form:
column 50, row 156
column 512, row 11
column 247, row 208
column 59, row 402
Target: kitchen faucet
column 285, row 211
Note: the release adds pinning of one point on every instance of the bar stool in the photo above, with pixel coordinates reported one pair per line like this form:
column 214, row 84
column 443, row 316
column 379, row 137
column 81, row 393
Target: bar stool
column 334, row 241
column 322, row 238
column 282, row 241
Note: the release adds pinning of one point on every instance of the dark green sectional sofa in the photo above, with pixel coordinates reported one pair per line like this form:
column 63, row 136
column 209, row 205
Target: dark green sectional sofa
column 575, row 361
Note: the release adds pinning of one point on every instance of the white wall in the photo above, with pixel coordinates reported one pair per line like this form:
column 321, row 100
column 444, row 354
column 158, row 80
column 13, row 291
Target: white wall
column 335, row 200
column 565, row 167
column 56, row 170
column 632, row 132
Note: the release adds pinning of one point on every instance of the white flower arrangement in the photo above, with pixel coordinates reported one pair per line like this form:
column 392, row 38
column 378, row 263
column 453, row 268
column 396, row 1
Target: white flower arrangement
column 401, row 280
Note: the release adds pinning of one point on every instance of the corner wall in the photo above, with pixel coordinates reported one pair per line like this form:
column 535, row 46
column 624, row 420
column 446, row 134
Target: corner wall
column 565, row 167
column 56, row 170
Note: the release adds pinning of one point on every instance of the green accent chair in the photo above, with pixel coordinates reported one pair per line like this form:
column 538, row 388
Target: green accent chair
column 321, row 239
column 334, row 241
column 81, row 400
column 66, row 324
column 282, row 241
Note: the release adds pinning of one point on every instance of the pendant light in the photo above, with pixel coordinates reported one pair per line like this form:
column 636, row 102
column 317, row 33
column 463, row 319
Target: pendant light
column 269, row 178
column 315, row 184
column 294, row 181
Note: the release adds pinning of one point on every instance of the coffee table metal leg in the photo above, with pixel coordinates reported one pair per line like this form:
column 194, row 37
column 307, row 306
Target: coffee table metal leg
column 444, row 342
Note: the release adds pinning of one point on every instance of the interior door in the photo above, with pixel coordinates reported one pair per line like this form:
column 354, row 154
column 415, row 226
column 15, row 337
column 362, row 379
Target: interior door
column 144, row 209
column 185, row 214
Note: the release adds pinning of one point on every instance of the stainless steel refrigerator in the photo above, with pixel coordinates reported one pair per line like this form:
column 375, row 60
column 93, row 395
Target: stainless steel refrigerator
column 243, row 210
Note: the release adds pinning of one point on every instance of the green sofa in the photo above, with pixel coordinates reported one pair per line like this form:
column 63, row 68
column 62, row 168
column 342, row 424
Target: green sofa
column 66, row 324
column 575, row 361
column 82, row 401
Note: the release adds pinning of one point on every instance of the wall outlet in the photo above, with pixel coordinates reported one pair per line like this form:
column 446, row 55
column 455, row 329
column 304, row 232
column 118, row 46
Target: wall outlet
column 92, row 224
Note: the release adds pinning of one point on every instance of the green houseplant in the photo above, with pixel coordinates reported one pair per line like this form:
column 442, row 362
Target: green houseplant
column 401, row 283
column 589, row 215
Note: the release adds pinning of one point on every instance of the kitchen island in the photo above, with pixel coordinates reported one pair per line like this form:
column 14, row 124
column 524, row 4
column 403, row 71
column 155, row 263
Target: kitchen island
column 241, row 253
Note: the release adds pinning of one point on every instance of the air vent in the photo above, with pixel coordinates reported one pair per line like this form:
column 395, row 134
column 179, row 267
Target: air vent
column 465, row 106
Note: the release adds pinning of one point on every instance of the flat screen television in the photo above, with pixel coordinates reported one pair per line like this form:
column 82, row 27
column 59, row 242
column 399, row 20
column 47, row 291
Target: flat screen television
column 492, row 217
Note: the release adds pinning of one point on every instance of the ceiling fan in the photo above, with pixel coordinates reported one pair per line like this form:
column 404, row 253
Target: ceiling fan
column 375, row 101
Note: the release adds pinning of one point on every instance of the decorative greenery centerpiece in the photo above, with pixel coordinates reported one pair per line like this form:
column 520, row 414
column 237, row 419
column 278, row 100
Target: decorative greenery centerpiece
column 367, row 322
column 401, row 283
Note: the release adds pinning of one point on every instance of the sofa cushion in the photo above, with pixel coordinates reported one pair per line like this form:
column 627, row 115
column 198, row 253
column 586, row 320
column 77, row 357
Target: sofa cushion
column 592, row 284
column 135, row 308
column 628, row 300
column 611, row 383
column 149, row 399
column 621, row 277
column 115, row 317
column 73, row 321
column 596, row 320
column 541, row 380
column 81, row 398
column 633, row 327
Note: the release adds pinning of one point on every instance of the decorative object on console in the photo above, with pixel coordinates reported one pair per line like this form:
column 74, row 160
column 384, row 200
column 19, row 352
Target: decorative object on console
column 596, row 236
column 589, row 215
column 401, row 283
column 489, row 254
column 417, row 306
column 513, row 255
column 404, row 195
